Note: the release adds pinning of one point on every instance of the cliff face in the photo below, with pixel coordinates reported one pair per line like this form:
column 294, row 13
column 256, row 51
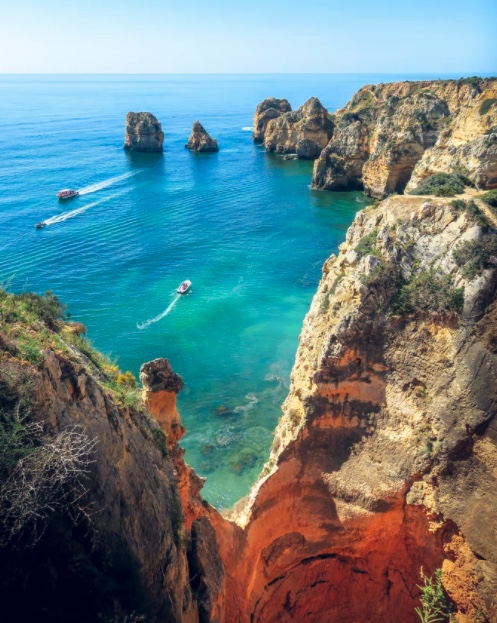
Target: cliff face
column 384, row 460
column 200, row 140
column 303, row 132
column 143, row 133
column 125, row 538
column 392, row 136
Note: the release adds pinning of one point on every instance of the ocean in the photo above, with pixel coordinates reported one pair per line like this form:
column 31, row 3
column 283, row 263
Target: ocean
column 241, row 224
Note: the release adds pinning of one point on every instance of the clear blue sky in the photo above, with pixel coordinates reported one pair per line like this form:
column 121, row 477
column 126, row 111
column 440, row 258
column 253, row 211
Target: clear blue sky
column 248, row 36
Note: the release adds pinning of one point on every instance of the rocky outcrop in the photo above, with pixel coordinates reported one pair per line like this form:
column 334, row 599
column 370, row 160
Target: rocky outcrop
column 303, row 132
column 384, row 459
column 200, row 140
column 392, row 136
column 268, row 109
column 143, row 133
column 118, row 548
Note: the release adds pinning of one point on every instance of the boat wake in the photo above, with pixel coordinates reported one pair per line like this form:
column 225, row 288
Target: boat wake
column 162, row 315
column 59, row 218
column 93, row 188
column 247, row 128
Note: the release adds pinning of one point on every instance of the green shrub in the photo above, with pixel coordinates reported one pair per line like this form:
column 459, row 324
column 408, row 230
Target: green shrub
column 366, row 245
column 442, row 185
column 486, row 105
column 28, row 307
column 491, row 198
column 428, row 291
column 472, row 209
column 435, row 607
column 476, row 255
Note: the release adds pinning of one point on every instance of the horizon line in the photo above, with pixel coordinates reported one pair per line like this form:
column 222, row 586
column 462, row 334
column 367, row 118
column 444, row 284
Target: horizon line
column 282, row 73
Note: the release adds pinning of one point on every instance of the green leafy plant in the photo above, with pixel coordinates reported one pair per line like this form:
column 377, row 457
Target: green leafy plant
column 435, row 607
column 366, row 245
column 443, row 185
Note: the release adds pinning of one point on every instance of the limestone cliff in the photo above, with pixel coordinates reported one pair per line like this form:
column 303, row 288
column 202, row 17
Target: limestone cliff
column 200, row 139
column 100, row 518
column 268, row 109
column 385, row 458
column 392, row 136
column 143, row 133
column 303, row 132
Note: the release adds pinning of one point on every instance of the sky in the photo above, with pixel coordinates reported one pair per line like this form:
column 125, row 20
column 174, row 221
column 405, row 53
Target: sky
column 248, row 36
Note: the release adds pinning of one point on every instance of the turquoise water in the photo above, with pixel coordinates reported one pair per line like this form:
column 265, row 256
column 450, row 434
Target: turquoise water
column 242, row 225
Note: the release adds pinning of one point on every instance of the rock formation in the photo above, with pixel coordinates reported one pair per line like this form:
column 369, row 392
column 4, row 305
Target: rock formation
column 268, row 109
column 143, row 133
column 392, row 136
column 303, row 132
column 200, row 140
column 116, row 549
column 384, row 460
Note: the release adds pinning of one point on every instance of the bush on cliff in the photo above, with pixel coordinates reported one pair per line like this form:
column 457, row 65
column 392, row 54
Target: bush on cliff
column 366, row 245
column 428, row 291
column 472, row 209
column 490, row 199
column 424, row 291
column 442, row 185
column 476, row 256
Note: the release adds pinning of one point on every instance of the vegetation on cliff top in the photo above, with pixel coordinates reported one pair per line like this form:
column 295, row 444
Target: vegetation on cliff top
column 33, row 322
column 442, row 185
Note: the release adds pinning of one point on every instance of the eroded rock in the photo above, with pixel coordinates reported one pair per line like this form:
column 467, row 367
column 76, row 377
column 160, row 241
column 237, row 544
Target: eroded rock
column 200, row 140
column 143, row 133
column 304, row 131
column 268, row 109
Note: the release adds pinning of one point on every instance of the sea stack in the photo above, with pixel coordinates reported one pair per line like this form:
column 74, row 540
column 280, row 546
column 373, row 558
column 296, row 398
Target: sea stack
column 143, row 133
column 200, row 139
column 268, row 109
column 304, row 132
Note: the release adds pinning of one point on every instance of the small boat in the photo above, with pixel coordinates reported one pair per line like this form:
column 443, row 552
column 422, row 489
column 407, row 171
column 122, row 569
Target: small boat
column 184, row 287
column 67, row 193
column 40, row 225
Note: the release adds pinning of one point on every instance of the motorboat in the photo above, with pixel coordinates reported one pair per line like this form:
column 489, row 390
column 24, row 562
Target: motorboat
column 67, row 193
column 183, row 287
column 40, row 225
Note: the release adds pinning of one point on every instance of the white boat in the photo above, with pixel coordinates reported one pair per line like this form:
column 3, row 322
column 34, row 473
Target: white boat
column 183, row 287
column 67, row 193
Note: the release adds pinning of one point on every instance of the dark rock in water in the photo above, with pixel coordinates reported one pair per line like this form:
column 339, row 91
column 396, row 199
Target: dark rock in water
column 143, row 133
column 224, row 411
column 268, row 109
column 244, row 459
column 200, row 140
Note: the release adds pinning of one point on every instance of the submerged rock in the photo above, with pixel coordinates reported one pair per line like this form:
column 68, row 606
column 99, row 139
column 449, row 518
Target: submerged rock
column 304, row 131
column 143, row 133
column 200, row 140
column 268, row 109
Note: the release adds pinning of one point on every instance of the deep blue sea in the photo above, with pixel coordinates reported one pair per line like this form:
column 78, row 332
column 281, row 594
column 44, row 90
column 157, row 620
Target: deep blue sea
column 242, row 225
